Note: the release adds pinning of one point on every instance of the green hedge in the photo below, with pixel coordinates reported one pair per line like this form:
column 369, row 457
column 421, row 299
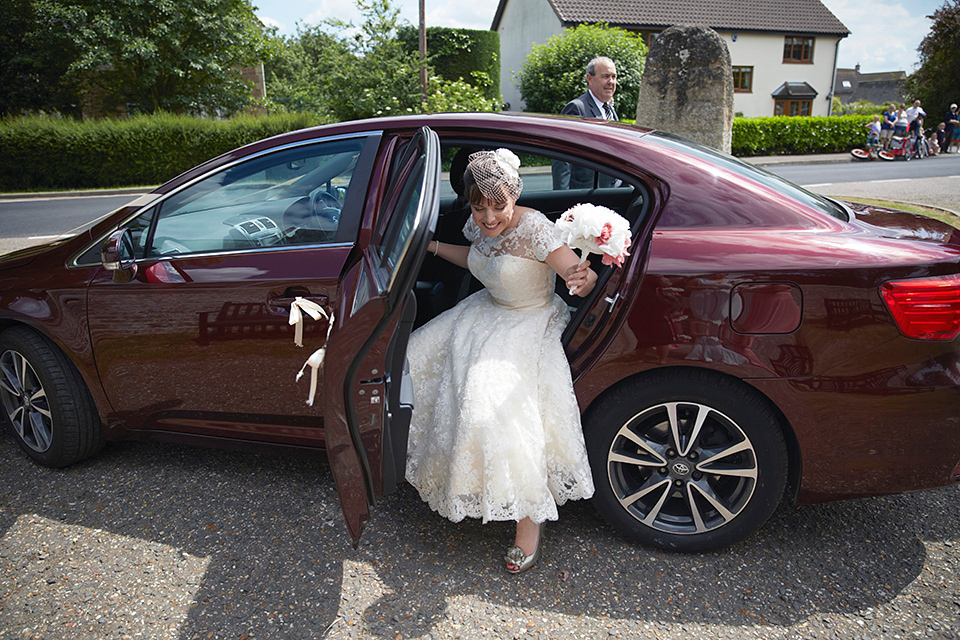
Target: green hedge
column 46, row 153
column 460, row 53
column 786, row 135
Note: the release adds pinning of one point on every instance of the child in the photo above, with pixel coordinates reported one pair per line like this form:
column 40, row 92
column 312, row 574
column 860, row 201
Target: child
column 873, row 135
column 936, row 139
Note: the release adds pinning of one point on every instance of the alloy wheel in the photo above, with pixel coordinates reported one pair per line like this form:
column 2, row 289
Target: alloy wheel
column 682, row 468
column 25, row 401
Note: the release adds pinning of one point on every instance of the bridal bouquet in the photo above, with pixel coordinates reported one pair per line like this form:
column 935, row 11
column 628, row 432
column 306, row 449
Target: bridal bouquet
column 595, row 229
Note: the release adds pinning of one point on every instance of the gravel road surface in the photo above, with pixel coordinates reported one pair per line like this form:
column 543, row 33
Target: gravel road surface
column 160, row 541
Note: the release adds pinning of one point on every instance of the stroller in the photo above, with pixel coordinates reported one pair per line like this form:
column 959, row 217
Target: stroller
column 902, row 147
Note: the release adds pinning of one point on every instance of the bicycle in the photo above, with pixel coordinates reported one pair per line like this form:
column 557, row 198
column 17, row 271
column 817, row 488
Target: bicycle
column 871, row 151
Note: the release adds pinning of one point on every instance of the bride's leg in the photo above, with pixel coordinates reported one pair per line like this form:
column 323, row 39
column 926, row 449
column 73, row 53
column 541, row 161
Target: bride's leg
column 528, row 536
column 525, row 553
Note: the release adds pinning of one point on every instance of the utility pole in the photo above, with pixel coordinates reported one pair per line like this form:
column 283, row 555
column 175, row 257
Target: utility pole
column 423, row 52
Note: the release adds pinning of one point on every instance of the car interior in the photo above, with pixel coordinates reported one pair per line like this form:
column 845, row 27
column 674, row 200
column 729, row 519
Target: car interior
column 441, row 285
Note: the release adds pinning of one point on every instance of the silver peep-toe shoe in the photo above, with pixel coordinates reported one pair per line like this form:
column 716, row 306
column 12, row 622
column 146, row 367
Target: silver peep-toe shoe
column 518, row 561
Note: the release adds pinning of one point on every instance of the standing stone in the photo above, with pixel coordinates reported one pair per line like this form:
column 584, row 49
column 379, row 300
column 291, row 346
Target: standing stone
column 687, row 87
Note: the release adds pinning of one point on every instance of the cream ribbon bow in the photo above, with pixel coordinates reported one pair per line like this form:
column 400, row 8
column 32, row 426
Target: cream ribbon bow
column 315, row 361
column 297, row 307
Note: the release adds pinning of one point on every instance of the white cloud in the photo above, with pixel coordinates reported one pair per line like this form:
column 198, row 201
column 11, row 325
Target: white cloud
column 270, row 22
column 884, row 35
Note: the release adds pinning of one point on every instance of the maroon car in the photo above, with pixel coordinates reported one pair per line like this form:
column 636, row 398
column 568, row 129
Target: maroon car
column 760, row 344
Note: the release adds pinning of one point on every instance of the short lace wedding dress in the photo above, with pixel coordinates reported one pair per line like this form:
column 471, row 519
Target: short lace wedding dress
column 496, row 428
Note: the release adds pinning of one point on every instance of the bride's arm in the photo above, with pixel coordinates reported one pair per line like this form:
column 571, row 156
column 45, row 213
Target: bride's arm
column 455, row 253
column 579, row 277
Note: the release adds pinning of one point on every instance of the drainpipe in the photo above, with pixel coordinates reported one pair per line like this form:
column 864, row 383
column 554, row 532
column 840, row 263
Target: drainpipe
column 833, row 78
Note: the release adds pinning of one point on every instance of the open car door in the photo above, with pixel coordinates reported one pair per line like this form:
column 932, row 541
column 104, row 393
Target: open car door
column 367, row 393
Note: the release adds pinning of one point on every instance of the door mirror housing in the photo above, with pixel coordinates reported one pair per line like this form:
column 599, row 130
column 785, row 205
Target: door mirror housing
column 117, row 255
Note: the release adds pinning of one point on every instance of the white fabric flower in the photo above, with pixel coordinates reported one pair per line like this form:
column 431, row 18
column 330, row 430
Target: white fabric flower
column 508, row 161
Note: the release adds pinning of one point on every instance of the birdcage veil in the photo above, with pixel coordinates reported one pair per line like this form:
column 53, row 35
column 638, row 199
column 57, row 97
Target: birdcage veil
column 496, row 174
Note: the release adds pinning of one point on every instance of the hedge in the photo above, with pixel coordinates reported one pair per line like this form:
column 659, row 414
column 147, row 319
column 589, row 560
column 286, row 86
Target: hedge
column 792, row 135
column 459, row 53
column 47, row 153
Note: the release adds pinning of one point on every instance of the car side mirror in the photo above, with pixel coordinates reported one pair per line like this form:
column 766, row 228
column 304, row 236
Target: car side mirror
column 117, row 255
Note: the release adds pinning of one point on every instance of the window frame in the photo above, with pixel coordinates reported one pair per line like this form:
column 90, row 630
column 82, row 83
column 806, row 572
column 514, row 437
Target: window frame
column 791, row 44
column 739, row 73
column 787, row 107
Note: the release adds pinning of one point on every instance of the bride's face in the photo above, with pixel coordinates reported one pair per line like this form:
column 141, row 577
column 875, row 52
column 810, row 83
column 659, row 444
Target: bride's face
column 493, row 218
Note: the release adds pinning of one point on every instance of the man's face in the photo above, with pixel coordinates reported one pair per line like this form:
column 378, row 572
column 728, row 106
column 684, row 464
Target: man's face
column 603, row 83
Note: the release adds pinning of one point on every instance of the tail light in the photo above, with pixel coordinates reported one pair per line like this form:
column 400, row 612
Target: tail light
column 925, row 308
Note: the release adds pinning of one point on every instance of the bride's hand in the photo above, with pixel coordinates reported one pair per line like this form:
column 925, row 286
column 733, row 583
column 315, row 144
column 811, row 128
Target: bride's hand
column 580, row 279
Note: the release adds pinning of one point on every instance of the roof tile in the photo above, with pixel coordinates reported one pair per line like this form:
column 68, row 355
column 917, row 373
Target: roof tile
column 781, row 16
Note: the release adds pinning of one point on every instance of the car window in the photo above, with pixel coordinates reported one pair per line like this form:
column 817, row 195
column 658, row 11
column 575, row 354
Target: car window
column 539, row 172
column 291, row 197
column 753, row 173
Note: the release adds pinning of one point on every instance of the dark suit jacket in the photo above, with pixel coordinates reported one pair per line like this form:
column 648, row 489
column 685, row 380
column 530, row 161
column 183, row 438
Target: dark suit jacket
column 567, row 176
column 585, row 107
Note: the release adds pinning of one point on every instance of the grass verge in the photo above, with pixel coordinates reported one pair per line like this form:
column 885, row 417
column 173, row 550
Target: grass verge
column 930, row 212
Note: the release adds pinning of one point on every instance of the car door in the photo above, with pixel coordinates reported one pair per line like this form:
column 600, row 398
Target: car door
column 367, row 394
column 193, row 341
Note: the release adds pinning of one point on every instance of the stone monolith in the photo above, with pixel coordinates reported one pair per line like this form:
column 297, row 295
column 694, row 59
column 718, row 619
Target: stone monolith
column 687, row 86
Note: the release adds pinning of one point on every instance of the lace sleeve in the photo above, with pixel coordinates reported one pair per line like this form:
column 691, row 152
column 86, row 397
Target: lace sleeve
column 470, row 230
column 544, row 236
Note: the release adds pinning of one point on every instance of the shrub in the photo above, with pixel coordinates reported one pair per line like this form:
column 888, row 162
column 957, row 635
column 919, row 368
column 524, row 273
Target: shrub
column 553, row 73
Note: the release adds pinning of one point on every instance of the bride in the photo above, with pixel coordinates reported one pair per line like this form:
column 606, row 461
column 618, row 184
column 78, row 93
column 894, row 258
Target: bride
column 496, row 428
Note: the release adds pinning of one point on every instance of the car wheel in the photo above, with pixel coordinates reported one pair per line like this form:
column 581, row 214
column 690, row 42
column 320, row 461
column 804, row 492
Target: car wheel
column 45, row 401
column 686, row 460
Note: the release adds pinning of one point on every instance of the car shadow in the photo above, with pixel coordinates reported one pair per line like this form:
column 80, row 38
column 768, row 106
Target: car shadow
column 279, row 563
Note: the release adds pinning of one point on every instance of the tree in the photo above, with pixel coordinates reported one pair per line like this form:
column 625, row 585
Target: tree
column 35, row 61
column 554, row 72
column 366, row 72
column 174, row 55
column 935, row 82
column 298, row 73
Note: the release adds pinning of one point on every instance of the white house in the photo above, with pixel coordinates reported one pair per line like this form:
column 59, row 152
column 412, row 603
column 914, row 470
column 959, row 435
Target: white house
column 783, row 52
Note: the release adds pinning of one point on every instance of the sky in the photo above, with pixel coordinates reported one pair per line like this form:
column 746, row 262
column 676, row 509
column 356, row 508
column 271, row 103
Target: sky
column 885, row 33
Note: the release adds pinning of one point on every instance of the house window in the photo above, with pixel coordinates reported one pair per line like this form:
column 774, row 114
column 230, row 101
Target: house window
column 792, row 107
column 743, row 79
column 798, row 49
column 648, row 37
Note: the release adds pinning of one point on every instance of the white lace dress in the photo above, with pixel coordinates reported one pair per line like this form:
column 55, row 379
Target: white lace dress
column 496, row 427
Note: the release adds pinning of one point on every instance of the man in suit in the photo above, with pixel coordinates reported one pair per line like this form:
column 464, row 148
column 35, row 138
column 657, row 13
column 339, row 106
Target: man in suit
column 596, row 102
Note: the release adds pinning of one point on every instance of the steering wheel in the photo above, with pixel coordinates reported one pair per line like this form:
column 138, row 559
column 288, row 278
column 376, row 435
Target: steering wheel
column 326, row 204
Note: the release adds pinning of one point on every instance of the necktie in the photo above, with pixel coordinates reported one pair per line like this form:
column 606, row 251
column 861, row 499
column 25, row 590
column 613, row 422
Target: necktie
column 607, row 111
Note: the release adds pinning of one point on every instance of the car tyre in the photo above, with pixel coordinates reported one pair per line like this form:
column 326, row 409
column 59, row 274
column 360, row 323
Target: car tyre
column 45, row 402
column 686, row 460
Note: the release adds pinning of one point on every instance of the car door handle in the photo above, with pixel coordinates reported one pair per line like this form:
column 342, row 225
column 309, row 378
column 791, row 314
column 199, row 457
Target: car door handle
column 284, row 302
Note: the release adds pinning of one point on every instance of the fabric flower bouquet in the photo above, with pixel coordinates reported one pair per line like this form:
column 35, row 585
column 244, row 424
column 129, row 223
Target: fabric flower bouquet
column 595, row 229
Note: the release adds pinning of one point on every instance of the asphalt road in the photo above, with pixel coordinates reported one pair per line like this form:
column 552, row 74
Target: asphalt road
column 152, row 541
